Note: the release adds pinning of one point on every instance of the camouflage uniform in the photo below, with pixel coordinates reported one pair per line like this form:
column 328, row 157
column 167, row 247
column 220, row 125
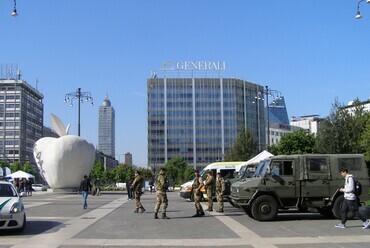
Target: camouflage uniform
column 197, row 184
column 210, row 181
column 161, row 187
column 137, row 185
column 220, row 190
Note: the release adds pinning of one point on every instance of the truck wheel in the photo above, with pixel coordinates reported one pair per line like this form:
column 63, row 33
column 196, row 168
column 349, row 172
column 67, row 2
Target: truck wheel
column 337, row 209
column 248, row 211
column 264, row 208
column 326, row 212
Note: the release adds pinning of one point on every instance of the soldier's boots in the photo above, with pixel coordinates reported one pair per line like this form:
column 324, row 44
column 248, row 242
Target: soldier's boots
column 136, row 210
column 197, row 214
column 142, row 210
column 164, row 216
column 220, row 211
column 209, row 209
column 155, row 215
column 202, row 213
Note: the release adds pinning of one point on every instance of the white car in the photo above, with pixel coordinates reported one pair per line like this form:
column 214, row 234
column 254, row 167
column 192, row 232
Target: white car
column 37, row 187
column 12, row 214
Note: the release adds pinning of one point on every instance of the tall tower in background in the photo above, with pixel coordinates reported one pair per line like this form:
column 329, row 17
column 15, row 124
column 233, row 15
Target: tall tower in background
column 107, row 140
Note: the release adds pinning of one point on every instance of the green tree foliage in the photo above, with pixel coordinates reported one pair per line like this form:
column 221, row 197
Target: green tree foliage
column 175, row 169
column 97, row 171
column 342, row 131
column 244, row 148
column 365, row 139
column 4, row 164
column 16, row 166
column 145, row 173
column 297, row 142
column 188, row 173
column 121, row 172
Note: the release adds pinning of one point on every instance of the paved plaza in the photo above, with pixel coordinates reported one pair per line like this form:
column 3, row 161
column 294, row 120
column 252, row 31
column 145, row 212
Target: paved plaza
column 58, row 220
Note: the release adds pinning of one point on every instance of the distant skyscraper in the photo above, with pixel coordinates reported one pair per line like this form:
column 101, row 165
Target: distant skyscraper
column 278, row 111
column 128, row 158
column 107, row 140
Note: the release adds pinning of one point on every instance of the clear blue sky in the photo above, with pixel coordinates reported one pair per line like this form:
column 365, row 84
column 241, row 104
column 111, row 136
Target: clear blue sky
column 312, row 51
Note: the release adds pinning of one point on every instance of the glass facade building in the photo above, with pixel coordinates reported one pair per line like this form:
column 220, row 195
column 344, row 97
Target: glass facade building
column 199, row 119
column 106, row 129
column 21, row 120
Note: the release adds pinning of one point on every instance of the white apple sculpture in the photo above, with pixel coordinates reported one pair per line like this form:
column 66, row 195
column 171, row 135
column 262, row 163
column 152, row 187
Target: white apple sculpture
column 65, row 160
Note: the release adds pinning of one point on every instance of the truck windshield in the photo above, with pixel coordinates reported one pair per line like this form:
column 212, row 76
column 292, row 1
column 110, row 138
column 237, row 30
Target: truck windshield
column 262, row 169
column 246, row 171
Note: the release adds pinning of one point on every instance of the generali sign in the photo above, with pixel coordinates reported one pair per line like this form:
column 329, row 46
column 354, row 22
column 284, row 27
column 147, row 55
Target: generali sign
column 188, row 65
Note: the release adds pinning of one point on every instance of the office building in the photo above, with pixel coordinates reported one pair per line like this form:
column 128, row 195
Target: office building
column 106, row 129
column 21, row 119
column 310, row 123
column 199, row 119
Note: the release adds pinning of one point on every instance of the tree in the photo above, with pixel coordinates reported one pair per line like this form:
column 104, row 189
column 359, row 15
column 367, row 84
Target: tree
column 342, row 131
column 244, row 147
column 188, row 173
column 365, row 139
column 175, row 169
column 98, row 170
column 297, row 142
column 16, row 166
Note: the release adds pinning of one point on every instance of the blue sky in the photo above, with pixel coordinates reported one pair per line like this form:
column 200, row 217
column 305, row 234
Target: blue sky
column 311, row 51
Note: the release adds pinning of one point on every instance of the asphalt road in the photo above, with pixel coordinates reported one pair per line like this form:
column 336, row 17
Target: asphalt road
column 58, row 220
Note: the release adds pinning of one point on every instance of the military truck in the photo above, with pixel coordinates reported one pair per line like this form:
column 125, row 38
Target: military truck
column 300, row 182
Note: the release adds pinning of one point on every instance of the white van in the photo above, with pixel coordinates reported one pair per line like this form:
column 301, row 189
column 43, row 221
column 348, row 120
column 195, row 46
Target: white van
column 227, row 170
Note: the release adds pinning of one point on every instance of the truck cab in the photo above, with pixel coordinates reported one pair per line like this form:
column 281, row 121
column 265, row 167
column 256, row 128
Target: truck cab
column 300, row 182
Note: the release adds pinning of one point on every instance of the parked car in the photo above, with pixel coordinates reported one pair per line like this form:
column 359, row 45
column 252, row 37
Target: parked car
column 12, row 214
column 37, row 187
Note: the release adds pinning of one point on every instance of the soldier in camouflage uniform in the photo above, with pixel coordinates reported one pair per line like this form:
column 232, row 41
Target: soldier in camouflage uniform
column 210, row 183
column 137, row 185
column 161, row 187
column 197, row 184
column 220, row 190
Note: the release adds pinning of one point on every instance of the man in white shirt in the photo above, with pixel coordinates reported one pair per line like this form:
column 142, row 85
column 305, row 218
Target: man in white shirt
column 350, row 201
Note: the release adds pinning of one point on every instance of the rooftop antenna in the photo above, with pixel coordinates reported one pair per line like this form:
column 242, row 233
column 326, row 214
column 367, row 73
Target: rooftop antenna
column 37, row 83
column 19, row 74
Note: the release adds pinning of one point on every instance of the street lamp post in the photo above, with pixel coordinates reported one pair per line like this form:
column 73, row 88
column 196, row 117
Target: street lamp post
column 258, row 97
column 274, row 93
column 358, row 15
column 69, row 97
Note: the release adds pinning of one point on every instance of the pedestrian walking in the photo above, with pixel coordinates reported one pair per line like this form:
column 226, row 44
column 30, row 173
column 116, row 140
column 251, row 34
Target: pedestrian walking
column 137, row 186
column 209, row 183
column 129, row 188
column 197, row 184
column 161, row 187
column 97, row 186
column 29, row 187
column 85, row 187
column 220, row 190
column 350, row 202
column 151, row 184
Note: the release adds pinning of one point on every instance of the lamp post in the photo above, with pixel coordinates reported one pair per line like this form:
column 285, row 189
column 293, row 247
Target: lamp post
column 14, row 13
column 358, row 15
column 257, row 98
column 78, row 96
column 274, row 93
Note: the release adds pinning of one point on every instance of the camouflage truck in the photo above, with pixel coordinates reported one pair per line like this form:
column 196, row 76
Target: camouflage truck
column 300, row 182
